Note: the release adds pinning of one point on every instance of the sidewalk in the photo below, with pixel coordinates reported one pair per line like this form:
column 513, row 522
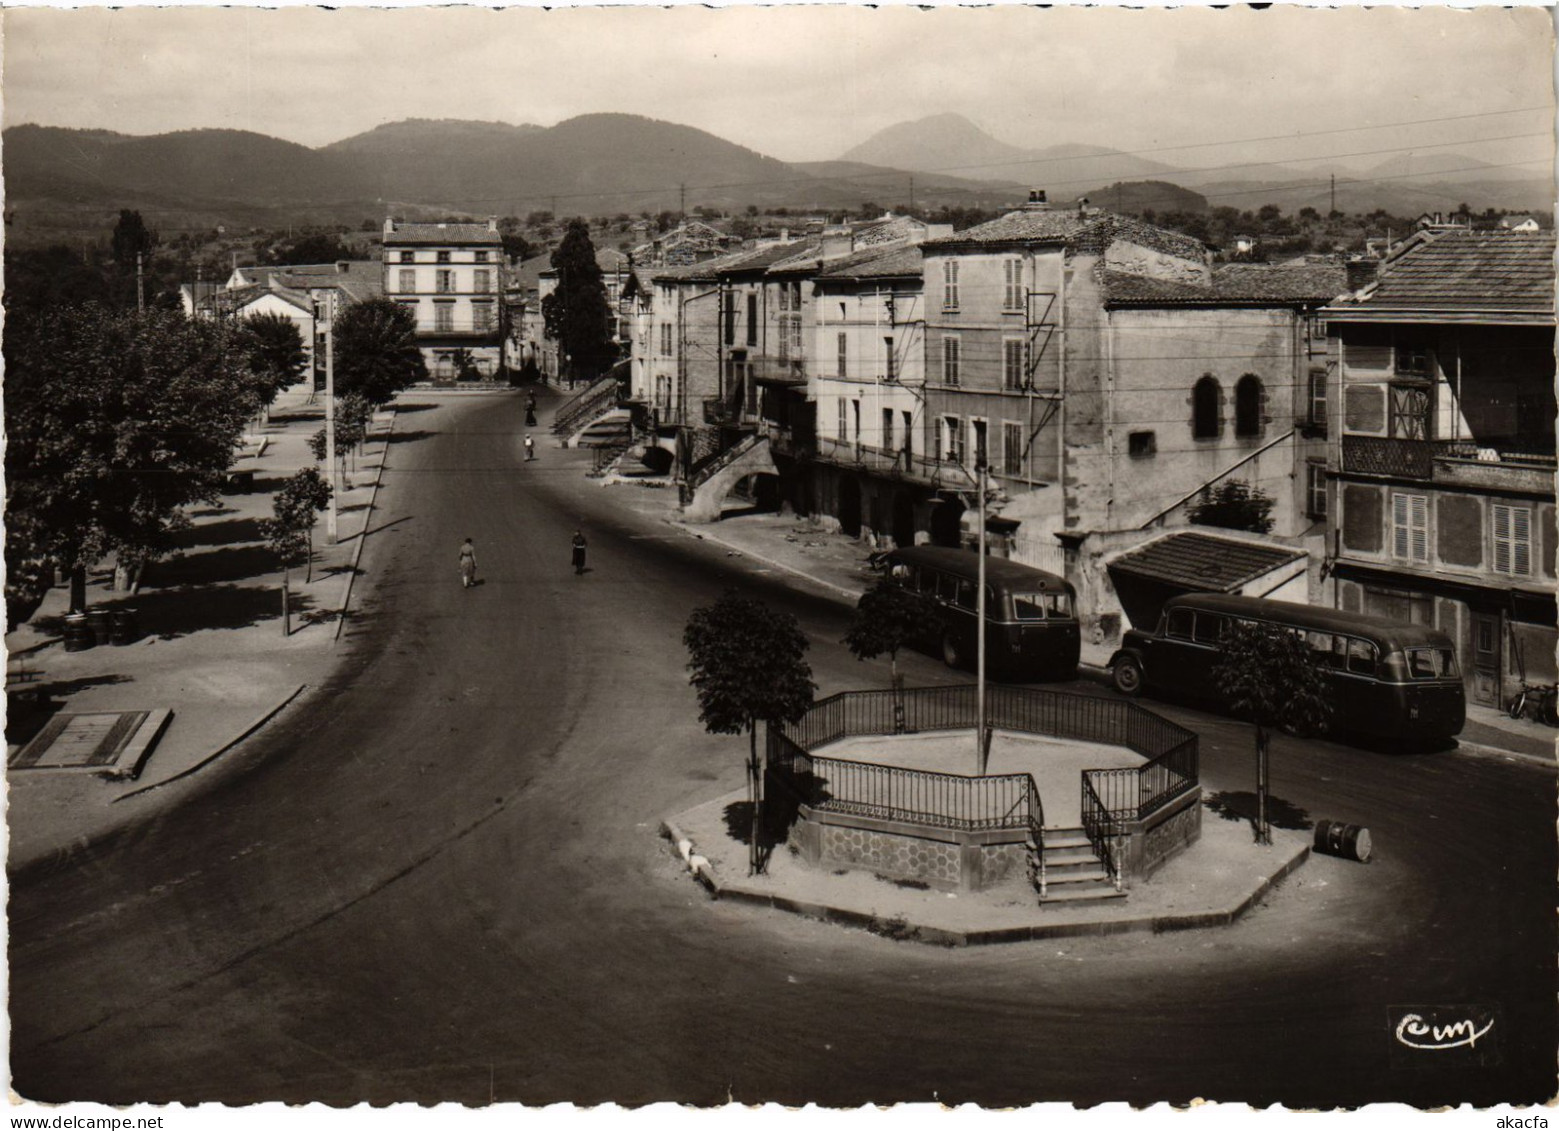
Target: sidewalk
column 211, row 650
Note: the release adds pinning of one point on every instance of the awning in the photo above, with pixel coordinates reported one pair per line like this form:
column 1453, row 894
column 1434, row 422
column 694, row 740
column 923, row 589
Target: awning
column 1204, row 562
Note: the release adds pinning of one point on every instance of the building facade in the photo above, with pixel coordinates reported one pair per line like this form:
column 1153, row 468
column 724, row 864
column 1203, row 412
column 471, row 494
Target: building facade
column 1442, row 450
column 450, row 276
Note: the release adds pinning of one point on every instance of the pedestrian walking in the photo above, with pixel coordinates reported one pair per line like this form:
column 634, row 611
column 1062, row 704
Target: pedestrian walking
column 530, row 415
column 467, row 564
column 579, row 553
column 530, row 448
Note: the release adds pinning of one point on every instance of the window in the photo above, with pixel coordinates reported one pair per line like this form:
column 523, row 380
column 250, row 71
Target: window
column 1317, row 415
column 1413, row 361
column 1011, row 448
column 909, row 437
column 1432, row 663
column 443, row 257
column 891, row 368
column 481, row 257
column 1410, row 412
column 1140, row 445
column 1323, row 648
column 408, row 281
column 1209, row 628
column 953, row 438
column 1012, row 280
column 1028, row 606
column 1178, row 625
column 483, row 281
column 408, row 257
column 1315, row 488
column 950, row 284
column 1410, row 527
column 794, row 327
column 1205, row 424
column 1247, row 406
column 1014, row 357
column 965, row 598
column 728, row 318
column 842, row 431
column 665, row 339
column 855, row 420
column 752, row 318
column 981, row 451
column 844, row 354
column 950, row 350
column 1512, row 540
column 446, row 282
column 1361, row 657
column 444, row 316
column 482, row 315
column 887, row 429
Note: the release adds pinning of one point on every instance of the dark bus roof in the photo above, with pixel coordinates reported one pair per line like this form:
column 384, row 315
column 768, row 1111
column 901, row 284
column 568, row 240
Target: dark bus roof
column 998, row 571
column 1384, row 630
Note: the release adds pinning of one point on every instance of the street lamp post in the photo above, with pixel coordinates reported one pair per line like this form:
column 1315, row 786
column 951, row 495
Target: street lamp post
column 329, row 307
column 982, row 748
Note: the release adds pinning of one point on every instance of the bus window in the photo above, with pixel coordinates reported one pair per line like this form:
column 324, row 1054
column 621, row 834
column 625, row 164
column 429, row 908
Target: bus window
column 1178, row 626
column 1058, row 605
column 1320, row 647
column 1028, row 606
column 1209, row 628
column 1361, row 657
column 966, row 599
column 1431, row 663
column 947, row 587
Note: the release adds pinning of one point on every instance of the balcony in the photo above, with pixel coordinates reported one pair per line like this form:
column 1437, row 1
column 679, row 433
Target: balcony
column 1505, row 463
column 892, row 464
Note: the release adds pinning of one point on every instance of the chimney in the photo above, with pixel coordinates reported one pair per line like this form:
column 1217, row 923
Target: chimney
column 389, row 226
column 1037, row 201
column 837, row 242
column 492, row 223
column 343, row 267
column 1082, row 206
column 1361, row 273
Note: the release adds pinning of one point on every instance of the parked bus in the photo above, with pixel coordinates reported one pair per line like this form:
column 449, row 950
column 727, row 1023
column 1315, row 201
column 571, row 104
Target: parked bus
column 1030, row 616
column 1386, row 680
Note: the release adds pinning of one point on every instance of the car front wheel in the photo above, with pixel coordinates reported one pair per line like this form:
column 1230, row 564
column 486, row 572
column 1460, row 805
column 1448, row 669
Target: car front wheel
column 1127, row 675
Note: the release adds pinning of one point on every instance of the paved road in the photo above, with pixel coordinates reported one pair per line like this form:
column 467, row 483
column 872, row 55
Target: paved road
column 443, row 880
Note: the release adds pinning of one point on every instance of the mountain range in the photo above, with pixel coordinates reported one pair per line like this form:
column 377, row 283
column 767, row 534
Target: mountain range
column 612, row 163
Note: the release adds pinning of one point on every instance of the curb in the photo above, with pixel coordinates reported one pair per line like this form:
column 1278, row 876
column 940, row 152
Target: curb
column 900, row 929
column 357, row 553
column 221, row 750
column 1478, row 749
column 852, row 595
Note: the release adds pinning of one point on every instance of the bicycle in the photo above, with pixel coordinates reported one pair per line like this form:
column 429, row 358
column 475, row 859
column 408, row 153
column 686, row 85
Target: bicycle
column 1539, row 701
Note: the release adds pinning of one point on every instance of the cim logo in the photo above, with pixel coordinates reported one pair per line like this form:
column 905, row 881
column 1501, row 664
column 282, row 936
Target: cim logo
column 1426, row 1035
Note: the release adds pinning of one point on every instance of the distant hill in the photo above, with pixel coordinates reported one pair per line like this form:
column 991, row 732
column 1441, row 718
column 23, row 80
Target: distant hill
column 1142, row 196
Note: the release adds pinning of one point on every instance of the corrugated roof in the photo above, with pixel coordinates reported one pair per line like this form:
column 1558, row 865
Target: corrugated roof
column 1204, row 562
column 429, row 235
column 1243, row 284
column 1493, row 276
column 875, row 263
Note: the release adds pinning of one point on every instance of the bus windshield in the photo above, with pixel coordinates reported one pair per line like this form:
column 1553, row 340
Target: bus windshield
column 1039, row 606
column 1431, row 663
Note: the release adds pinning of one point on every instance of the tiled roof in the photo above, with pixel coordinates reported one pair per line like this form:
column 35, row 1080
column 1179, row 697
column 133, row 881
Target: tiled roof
column 747, row 259
column 430, row 235
column 1092, row 232
column 1204, row 562
column 1244, row 284
column 875, row 263
column 1493, row 276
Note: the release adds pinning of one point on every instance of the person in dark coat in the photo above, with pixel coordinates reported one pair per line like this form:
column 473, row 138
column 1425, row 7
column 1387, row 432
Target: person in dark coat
column 579, row 553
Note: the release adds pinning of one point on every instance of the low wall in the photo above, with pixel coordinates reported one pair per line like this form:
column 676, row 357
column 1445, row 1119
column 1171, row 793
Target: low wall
column 946, row 859
column 1164, row 835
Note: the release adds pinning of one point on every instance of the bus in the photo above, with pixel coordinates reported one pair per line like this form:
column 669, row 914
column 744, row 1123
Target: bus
column 1031, row 628
column 1386, row 680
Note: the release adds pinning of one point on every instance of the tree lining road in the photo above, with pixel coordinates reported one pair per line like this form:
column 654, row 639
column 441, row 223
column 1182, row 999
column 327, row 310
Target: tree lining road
column 442, row 879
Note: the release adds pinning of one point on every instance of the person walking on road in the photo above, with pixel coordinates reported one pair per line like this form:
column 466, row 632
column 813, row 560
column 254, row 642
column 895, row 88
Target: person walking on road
column 530, row 410
column 530, row 448
column 579, row 553
column 467, row 564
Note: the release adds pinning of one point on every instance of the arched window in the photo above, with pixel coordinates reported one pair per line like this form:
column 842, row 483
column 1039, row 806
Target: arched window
column 1205, row 424
column 1247, row 406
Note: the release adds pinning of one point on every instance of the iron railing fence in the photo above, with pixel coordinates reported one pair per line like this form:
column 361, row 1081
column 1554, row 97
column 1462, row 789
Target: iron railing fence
column 1103, row 828
column 579, row 408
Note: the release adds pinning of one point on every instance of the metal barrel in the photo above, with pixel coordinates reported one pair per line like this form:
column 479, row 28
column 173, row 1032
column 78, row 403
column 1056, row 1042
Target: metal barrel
column 1351, row 842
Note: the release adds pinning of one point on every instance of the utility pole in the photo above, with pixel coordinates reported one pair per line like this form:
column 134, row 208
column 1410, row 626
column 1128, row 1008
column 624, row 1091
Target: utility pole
column 682, row 200
column 912, row 194
column 1334, row 192
column 330, row 414
column 982, row 749
column 140, row 286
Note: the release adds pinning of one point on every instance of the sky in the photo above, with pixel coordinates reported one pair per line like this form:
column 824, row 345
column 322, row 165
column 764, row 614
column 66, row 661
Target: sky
column 807, row 83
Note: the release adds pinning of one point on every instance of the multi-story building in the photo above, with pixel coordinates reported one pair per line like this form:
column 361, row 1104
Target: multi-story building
column 1442, row 449
column 451, row 277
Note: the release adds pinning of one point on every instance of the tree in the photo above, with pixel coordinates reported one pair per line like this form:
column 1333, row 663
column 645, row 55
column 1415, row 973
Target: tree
column 352, row 414
column 576, row 314
column 276, row 355
column 888, row 617
column 1233, row 505
column 116, row 422
column 1268, row 677
column 747, row 664
column 317, row 247
column 290, row 532
column 131, row 239
column 376, row 352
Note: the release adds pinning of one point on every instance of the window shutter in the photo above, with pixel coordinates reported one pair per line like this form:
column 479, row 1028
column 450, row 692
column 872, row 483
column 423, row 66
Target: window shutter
column 1501, row 539
column 1521, row 539
column 1420, row 511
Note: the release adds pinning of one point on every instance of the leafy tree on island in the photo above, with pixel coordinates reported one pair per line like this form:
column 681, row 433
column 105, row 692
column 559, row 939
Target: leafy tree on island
column 576, row 314
column 276, row 355
column 1233, row 505
column 290, row 531
column 116, row 422
column 888, row 617
column 376, row 352
column 1268, row 676
column 747, row 664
